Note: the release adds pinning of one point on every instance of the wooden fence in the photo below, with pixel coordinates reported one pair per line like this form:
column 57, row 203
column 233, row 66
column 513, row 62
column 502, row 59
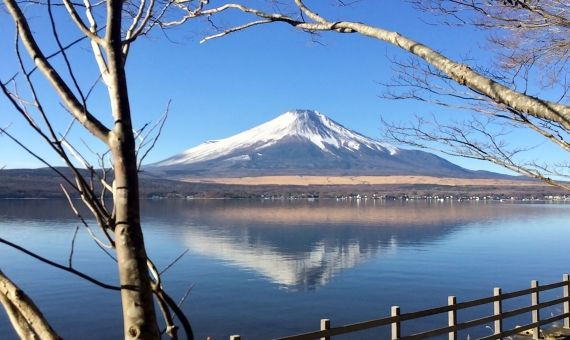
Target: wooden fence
column 396, row 318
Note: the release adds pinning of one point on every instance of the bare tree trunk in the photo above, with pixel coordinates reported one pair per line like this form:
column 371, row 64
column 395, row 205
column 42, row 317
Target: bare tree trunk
column 138, row 308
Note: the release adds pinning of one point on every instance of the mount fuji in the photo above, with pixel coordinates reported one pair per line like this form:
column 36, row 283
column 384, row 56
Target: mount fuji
column 305, row 143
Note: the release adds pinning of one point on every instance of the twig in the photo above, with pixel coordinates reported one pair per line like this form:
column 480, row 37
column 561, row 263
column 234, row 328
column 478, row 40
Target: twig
column 70, row 264
column 64, row 268
column 160, row 125
column 111, row 244
column 186, row 294
column 174, row 262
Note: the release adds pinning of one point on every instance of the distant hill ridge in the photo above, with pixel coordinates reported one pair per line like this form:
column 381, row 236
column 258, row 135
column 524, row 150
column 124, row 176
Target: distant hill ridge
column 304, row 143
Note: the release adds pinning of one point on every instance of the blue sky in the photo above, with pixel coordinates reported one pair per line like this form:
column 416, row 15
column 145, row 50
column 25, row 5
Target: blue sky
column 231, row 84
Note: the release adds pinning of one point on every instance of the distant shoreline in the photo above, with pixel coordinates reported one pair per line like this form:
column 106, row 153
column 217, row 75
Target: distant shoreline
column 405, row 198
column 44, row 184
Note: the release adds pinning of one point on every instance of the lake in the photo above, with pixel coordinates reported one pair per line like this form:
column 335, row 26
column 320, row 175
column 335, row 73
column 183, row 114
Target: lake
column 264, row 269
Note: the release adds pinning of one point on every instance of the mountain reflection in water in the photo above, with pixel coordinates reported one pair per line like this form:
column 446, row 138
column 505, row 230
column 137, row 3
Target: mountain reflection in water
column 302, row 245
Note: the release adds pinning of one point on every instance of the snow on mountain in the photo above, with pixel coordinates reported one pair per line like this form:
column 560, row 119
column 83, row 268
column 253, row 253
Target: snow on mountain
column 304, row 124
column 304, row 142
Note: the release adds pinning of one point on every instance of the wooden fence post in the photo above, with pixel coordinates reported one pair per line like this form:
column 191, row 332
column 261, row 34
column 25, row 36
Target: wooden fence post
column 498, row 310
column 536, row 310
column 325, row 325
column 235, row 337
column 566, row 279
column 395, row 325
column 452, row 316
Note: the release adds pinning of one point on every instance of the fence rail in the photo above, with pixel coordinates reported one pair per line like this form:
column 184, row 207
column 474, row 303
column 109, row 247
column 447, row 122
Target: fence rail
column 396, row 318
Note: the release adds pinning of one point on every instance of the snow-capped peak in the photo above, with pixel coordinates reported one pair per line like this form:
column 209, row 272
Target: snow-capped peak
column 301, row 124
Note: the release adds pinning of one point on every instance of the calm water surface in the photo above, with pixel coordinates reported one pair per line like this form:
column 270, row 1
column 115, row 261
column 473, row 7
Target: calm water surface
column 264, row 268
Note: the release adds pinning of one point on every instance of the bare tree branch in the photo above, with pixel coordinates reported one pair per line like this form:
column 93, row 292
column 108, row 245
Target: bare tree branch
column 79, row 22
column 143, row 143
column 72, row 249
column 23, row 313
column 87, row 119
column 64, row 268
column 460, row 73
column 470, row 139
column 174, row 261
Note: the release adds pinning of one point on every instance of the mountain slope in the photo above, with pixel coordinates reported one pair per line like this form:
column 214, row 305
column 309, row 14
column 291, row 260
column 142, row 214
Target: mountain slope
column 305, row 142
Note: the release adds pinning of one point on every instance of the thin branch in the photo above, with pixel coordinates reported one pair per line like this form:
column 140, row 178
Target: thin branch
column 186, row 294
column 59, row 266
column 36, row 156
column 160, row 125
column 64, row 55
column 72, row 249
column 174, row 261
column 101, row 244
column 79, row 22
column 91, row 123
column 235, row 29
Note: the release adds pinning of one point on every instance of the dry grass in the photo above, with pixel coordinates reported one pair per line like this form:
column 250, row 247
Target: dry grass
column 359, row 180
